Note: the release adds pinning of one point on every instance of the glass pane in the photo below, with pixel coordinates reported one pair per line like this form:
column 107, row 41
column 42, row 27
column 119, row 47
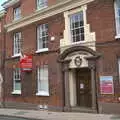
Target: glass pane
column 17, row 86
column 46, row 72
column 42, row 32
column 82, row 30
column 119, row 12
column 77, row 31
column 82, row 37
column 118, row 3
column 41, row 3
column 44, row 86
column 77, row 28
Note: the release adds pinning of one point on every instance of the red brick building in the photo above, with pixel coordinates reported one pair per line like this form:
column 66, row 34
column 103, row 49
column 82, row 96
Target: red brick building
column 75, row 53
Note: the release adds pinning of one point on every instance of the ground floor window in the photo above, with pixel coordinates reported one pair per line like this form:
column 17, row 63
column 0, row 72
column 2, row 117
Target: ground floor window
column 42, row 81
column 16, row 81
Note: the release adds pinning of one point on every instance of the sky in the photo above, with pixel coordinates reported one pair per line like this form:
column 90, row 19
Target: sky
column 1, row 1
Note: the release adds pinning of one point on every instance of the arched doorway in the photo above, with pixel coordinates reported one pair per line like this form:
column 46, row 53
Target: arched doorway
column 78, row 64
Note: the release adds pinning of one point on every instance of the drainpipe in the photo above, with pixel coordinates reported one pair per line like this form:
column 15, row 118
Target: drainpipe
column 3, row 62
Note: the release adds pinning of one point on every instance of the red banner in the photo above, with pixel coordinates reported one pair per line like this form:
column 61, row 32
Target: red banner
column 26, row 63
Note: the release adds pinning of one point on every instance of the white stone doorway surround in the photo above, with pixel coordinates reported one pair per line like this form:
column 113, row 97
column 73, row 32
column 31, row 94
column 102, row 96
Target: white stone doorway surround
column 77, row 57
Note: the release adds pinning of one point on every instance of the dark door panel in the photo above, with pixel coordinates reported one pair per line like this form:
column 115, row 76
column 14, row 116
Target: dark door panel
column 83, row 87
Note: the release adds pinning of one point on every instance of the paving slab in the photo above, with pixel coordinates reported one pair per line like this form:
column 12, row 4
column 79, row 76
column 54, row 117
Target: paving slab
column 47, row 115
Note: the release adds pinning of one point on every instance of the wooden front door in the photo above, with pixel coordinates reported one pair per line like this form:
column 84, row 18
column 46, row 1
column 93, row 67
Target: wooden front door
column 83, row 87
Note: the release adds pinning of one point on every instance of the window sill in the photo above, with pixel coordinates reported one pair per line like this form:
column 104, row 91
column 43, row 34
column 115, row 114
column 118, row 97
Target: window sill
column 42, row 50
column 16, row 55
column 16, row 92
column 42, row 93
column 117, row 36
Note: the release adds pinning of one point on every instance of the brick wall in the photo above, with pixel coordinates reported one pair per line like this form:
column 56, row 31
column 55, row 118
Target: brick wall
column 101, row 17
column 27, row 7
column 29, row 83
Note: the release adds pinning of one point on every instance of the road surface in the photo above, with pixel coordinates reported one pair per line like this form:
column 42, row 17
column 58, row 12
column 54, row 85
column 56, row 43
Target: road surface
column 12, row 118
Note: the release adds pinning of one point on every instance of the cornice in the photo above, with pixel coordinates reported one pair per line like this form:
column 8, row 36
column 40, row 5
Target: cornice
column 45, row 13
column 9, row 3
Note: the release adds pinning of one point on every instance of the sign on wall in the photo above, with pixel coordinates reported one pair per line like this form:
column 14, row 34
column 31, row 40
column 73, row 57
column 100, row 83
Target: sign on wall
column 26, row 63
column 106, row 85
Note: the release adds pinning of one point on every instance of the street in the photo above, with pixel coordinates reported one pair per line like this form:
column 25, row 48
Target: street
column 18, row 118
column 13, row 118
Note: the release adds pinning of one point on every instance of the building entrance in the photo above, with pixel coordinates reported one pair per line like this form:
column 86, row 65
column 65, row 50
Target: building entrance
column 83, row 87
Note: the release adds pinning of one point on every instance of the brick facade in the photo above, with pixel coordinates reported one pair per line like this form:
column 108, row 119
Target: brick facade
column 101, row 18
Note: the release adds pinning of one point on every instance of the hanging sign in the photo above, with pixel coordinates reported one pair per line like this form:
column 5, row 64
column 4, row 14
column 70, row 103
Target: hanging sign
column 26, row 63
column 106, row 85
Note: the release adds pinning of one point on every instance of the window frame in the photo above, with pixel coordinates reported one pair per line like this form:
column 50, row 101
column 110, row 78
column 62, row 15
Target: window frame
column 16, row 72
column 117, row 22
column 43, row 79
column 16, row 16
column 70, row 16
column 41, row 6
column 17, row 44
column 40, row 36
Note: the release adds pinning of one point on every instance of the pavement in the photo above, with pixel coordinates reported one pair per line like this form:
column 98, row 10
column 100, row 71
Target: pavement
column 48, row 115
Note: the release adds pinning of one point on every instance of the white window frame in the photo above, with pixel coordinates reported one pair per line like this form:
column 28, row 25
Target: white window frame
column 17, row 44
column 41, row 4
column 72, row 30
column 42, row 39
column 16, row 72
column 17, row 13
column 42, row 77
column 117, row 18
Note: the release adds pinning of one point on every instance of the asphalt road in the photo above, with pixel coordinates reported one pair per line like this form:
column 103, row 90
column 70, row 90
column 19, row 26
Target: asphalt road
column 12, row 118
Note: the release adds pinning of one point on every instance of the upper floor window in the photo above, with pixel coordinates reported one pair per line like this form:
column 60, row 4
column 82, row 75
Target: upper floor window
column 117, row 16
column 16, row 81
column 17, row 13
column 42, row 37
column 17, row 43
column 77, row 27
column 42, row 80
column 41, row 4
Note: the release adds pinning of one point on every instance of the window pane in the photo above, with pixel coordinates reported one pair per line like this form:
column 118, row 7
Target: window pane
column 16, row 79
column 17, row 13
column 43, row 86
column 41, row 4
column 43, row 78
column 77, row 27
column 117, row 10
column 42, row 36
column 17, row 86
column 17, row 43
